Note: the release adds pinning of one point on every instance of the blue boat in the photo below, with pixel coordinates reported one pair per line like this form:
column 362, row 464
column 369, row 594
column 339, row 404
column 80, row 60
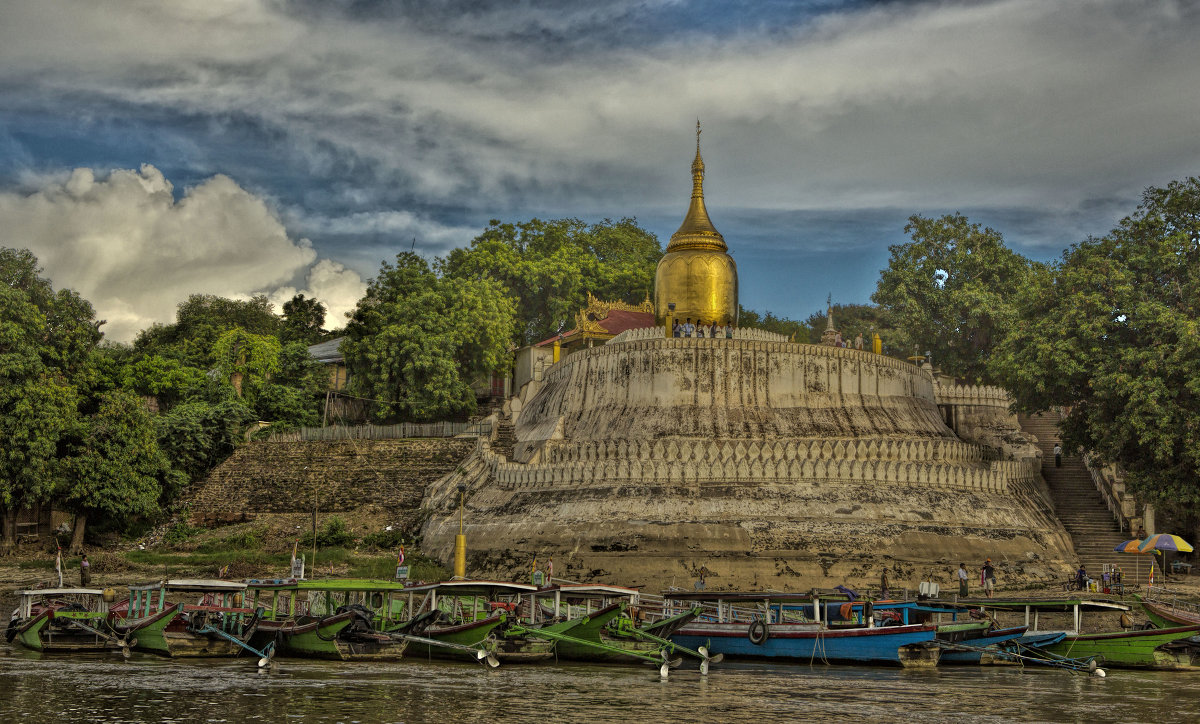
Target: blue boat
column 781, row 626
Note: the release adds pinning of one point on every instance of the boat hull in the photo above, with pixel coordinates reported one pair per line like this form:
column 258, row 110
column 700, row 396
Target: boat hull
column 994, row 640
column 49, row 632
column 1123, row 649
column 806, row 642
column 473, row 634
column 316, row 638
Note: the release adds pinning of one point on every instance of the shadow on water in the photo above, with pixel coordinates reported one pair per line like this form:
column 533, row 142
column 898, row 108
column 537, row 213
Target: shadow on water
column 146, row 688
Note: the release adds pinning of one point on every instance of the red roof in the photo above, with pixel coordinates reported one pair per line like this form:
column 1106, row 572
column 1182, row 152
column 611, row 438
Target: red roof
column 617, row 321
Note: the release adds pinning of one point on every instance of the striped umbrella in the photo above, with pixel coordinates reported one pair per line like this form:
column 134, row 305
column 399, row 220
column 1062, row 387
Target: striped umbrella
column 1165, row 542
column 1132, row 546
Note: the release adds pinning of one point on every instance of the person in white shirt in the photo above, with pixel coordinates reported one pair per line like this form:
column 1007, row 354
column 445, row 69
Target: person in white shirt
column 689, row 329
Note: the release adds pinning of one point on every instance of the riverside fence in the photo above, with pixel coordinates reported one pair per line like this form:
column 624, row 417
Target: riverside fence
column 383, row 432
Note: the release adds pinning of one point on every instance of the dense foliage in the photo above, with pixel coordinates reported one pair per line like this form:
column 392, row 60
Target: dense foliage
column 1112, row 335
column 548, row 268
column 951, row 291
column 418, row 340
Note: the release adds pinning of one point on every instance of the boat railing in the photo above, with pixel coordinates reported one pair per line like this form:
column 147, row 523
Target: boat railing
column 1173, row 598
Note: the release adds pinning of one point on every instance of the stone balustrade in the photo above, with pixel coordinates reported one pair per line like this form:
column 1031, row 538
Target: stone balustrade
column 961, row 474
column 646, row 333
column 978, row 395
column 767, row 451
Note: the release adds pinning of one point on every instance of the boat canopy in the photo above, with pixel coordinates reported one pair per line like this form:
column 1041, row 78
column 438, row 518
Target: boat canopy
column 743, row 597
column 61, row 592
column 475, row 588
column 189, row 585
column 1052, row 605
column 349, row 584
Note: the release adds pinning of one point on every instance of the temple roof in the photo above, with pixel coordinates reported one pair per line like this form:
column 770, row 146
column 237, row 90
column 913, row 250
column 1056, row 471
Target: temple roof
column 697, row 230
column 604, row 320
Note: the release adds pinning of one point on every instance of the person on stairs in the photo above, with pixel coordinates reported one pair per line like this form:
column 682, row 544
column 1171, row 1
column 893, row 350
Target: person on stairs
column 1058, row 455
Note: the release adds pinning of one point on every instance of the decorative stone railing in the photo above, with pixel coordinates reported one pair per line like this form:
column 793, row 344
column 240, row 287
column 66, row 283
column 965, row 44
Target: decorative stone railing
column 979, row 395
column 994, row 477
column 1121, row 504
column 558, row 452
column 637, row 335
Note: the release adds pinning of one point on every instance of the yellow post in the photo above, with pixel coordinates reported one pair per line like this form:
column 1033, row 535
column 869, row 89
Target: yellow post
column 460, row 540
column 670, row 324
column 557, row 349
column 876, row 344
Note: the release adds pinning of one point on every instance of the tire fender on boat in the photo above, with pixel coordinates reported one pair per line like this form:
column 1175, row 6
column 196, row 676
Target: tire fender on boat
column 757, row 633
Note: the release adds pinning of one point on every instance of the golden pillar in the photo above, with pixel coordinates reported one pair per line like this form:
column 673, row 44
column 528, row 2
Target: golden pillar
column 460, row 540
column 697, row 274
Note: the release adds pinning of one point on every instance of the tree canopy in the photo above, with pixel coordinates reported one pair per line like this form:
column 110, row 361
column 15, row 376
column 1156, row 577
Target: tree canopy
column 1112, row 334
column 951, row 291
column 548, row 267
column 417, row 340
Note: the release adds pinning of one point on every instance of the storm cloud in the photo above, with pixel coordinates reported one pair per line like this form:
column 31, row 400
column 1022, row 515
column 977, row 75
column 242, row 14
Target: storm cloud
column 373, row 126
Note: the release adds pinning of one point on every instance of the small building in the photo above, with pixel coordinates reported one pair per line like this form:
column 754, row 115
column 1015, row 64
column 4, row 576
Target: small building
column 599, row 322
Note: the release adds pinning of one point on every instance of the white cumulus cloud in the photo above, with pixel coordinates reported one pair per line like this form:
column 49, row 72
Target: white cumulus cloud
column 127, row 245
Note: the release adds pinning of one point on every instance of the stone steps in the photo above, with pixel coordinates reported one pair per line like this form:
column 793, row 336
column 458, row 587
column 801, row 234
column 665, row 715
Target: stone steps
column 1077, row 503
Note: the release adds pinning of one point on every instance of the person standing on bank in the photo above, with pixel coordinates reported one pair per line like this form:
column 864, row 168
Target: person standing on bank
column 883, row 584
column 988, row 578
column 1058, row 455
column 85, row 572
column 962, row 580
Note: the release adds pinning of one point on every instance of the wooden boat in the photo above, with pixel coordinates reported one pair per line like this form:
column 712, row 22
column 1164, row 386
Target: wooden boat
column 1168, row 614
column 341, row 618
column 1119, row 649
column 62, row 620
column 475, row 613
column 192, row 618
column 778, row 626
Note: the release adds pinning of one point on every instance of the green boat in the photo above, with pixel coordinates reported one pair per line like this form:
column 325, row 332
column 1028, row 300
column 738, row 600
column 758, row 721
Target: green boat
column 192, row 618
column 64, row 620
column 1129, row 648
column 474, row 614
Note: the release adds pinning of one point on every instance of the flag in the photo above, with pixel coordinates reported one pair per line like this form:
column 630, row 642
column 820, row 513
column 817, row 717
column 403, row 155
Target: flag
column 400, row 557
column 1151, row 583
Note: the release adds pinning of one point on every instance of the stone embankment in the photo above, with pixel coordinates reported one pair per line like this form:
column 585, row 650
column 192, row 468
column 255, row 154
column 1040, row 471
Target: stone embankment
column 757, row 463
column 335, row 477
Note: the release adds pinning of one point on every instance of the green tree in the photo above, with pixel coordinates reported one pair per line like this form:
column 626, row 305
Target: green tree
column 1112, row 334
column 200, row 321
column 548, row 267
column 951, row 290
column 247, row 360
column 47, row 343
column 197, row 435
column 417, row 340
column 303, row 319
column 771, row 323
column 118, row 470
column 867, row 319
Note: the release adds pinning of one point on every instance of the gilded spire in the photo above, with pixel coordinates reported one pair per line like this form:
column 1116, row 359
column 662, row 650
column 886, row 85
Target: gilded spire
column 697, row 231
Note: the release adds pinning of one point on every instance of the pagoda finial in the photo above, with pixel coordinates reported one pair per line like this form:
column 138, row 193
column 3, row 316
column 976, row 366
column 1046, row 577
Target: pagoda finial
column 697, row 135
column 829, row 312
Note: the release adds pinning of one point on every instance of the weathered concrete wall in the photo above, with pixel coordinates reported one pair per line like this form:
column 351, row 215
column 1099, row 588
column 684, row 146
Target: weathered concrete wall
column 727, row 389
column 344, row 475
column 764, row 463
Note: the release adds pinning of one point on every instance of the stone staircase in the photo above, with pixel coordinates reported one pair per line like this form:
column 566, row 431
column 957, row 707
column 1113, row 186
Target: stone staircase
column 506, row 437
column 1077, row 503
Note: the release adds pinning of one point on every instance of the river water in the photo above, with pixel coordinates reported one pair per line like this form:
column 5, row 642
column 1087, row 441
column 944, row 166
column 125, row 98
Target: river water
column 105, row 688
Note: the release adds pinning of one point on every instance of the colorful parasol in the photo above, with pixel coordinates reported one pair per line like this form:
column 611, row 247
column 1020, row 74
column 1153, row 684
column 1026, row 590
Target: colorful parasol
column 1165, row 542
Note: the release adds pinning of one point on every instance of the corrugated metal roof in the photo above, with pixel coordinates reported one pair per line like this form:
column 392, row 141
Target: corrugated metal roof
column 327, row 352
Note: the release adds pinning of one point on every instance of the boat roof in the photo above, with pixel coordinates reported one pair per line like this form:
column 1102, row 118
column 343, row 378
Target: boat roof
column 61, row 592
column 475, row 587
column 191, row 585
column 745, row 596
column 593, row 589
column 1048, row 604
column 349, row 584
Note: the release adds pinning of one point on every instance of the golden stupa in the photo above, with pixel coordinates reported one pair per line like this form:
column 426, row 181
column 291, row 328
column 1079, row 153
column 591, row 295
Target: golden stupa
column 697, row 274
